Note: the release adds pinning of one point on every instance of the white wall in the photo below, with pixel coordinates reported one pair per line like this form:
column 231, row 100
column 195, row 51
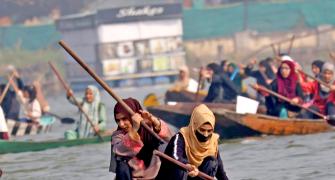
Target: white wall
column 139, row 30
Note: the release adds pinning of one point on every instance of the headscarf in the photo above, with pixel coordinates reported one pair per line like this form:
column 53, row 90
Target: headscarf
column 215, row 68
column 196, row 151
column 285, row 57
column 318, row 63
column 182, row 84
column 287, row 86
column 132, row 103
column 330, row 67
column 92, row 110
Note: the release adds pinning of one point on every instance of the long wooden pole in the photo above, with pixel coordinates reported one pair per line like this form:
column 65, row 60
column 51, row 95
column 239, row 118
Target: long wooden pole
column 182, row 165
column 5, row 90
column 67, row 88
column 291, row 45
column 316, row 79
column 287, row 100
column 105, row 86
column 199, row 85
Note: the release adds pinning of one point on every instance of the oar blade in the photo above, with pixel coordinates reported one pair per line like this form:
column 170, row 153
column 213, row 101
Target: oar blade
column 67, row 120
column 331, row 122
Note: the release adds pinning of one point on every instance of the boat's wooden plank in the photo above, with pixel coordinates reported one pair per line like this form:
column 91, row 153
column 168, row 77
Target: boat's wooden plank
column 10, row 125
column 275, row 126
column 22, row 129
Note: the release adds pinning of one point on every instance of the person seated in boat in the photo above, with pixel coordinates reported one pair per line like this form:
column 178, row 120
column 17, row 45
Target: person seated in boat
column 287, row 85
column 95, row 110
column 235, row 75
column 32, row 111
column 3, row 127
column 197, row 146
column 221, row 88
column 263, row 75
column 184, row 81
column 10, row 104
column 323, row 97
column 316, row 70
column 132, row 146
column 317, row 67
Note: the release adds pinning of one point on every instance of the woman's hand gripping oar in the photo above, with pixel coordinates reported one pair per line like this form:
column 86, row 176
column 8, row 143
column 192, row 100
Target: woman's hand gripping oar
column 109, row 90
column 68, row 89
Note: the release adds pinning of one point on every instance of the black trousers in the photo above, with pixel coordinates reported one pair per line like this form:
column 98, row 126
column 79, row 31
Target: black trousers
column 123, row 171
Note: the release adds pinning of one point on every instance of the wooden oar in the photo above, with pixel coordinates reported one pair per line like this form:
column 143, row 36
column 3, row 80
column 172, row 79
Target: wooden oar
column 316, row 79
column 291, row 45
column 274, row 50
column 199, row 85
column 4, row 92
column 182, row 165
column 64, row 120
column 332, row 122
column 106, row 87
column 68, row 89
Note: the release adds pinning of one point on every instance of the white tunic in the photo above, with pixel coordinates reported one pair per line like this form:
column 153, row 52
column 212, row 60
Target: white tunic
column 3, row 124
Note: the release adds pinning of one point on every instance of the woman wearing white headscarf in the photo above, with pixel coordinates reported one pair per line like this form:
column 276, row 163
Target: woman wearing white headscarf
column 95, row 110
column 323, row 97
column 197, row 146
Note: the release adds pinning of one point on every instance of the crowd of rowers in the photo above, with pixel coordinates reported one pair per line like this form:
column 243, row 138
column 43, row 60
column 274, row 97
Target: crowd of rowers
column 132, row 147
column 282, row 75
column 27, row 104
column 196, row 145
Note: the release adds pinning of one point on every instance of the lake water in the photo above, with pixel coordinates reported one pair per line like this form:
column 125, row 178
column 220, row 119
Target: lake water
column 309, row 157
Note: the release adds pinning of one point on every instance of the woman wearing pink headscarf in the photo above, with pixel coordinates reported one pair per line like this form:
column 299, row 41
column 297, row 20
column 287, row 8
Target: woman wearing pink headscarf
column 287, row 85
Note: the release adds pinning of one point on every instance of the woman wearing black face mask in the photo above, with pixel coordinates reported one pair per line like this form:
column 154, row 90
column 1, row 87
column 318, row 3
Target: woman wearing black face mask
column 197, row 146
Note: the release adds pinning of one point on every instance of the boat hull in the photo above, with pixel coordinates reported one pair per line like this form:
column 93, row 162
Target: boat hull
column 26, row 146
column 178, row 115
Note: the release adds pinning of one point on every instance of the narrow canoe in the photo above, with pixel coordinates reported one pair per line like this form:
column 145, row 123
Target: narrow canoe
column 270, row 125
column 16, row 128
column 178, row 115
column 27, row 146
column 183, row 96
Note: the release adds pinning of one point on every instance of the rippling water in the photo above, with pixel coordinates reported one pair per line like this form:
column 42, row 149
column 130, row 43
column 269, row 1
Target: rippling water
column 309, row 157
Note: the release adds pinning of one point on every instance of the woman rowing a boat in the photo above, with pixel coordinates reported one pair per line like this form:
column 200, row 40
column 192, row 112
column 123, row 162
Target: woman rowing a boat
column 287, row 85
column 197, row 146
column 32, row 111
column 94, row 109
column 219, row 82
column 132, row 146
column 323, row 96
column 10, row 104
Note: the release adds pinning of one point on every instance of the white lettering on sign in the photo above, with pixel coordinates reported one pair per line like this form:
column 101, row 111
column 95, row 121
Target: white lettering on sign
column 145, row 11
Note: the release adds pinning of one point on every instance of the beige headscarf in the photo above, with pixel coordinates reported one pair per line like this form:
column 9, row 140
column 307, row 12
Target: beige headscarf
column 196, row 151
column 182, row 84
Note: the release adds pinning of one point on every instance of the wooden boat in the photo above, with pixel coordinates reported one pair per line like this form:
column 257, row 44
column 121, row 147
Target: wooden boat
column 276, row 126
column 230, row 124
column 26, row 146
column 178, row 115
column 16, row 128
column 183, row 96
